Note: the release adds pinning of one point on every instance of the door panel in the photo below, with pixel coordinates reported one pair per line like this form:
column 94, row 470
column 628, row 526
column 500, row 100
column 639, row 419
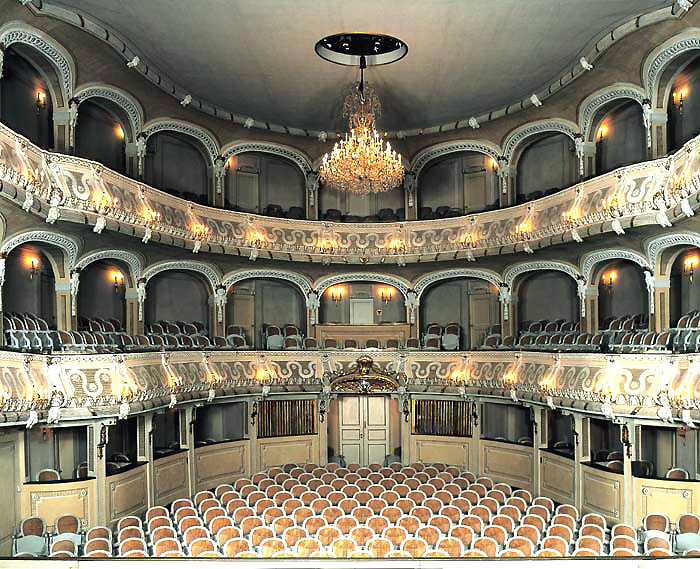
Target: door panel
column 480, row 318
column 364, row 428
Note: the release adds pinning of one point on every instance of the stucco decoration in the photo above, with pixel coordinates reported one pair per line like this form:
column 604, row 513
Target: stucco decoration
column 210, row 272
column 658, row 245
column 398, row 283
column 134, row 261
column 427, row 154
column 590, row 260
column 288, row 152
column 513, row 271
column 69, row 245
column 121, row 98
column 600, row 98
column 511, row 144
column 660, row 57
column 205, row 137
column 20, row 32
column 425, row 281
column 300, row 281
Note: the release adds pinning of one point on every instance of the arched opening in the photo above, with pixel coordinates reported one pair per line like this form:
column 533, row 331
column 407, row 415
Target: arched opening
column 470, row 303
column 100, row 135
column 29, row 299
column 684, row 292
column 546, row 297
column 622, row 294
column 683, row 106
column 176, row 298
column 620, row 137
column 176, row 165
column 545, row 166
column 258, row 309
column 26, row 105
column 258, row 182
column 351, row 207
column 102, row 296
column 459, row 183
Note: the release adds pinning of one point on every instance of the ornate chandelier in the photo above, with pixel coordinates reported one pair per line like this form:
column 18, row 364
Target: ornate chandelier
column 363, row 162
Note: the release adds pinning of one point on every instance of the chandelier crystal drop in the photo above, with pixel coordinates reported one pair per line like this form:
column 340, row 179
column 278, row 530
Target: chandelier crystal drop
column 362, row 162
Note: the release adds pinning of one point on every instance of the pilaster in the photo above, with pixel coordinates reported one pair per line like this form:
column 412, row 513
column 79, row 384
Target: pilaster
column 659, row 134
column 61, row 130
column 64, row 320
column 661, row 319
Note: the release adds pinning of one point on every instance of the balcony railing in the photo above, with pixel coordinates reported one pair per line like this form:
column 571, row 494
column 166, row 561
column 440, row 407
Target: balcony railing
column 65, row 187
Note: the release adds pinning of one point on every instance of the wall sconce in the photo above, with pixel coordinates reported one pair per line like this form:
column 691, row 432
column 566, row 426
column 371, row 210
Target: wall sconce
column 679, row 97
column 603, row 132
column 493, row 163
column 230, row 163
column 40, row 101
column 336, row 293
column 386, row 294
column 117, row 279
column 608, row 279
column 690, row 263
column 32, row 264
column 397, row 246
column 119, row 132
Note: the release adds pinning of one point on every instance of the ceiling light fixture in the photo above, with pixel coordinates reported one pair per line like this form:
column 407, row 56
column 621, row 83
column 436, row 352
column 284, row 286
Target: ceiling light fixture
column 363, row 162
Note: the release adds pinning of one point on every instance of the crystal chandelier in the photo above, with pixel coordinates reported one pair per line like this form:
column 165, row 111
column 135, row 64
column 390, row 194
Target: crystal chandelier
column 362, row 162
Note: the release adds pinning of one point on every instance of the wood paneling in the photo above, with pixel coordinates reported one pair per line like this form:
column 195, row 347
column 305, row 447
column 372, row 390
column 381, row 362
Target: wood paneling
column 557, row 477
column 381, row 332
column 282, row 450
column 510, row 463
column 602, row 493
column 127, row 494
column 8, row 492
column 670, row 497
column 170, row 478
column 220, row 464
column 450, row 450
column 48, row 501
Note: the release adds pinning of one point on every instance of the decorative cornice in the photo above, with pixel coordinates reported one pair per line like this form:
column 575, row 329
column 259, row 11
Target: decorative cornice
column 659, row 58
column 212, row 273
column 133, row 260
column 590, row 260
column 237, row 276
column 288, row 152
column 20, row 32
column 69, row 245
column 601, row 97
column 658, row 245
column 402, row 285
column 426, row 281
column 128, row 52
column 206, row 138
column 513, row 271
column 121, row 98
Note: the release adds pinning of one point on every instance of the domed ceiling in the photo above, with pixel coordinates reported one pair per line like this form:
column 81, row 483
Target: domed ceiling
column 256, row 57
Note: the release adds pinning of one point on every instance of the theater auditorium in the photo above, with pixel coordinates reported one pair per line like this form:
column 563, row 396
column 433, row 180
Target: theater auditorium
column 319, row 283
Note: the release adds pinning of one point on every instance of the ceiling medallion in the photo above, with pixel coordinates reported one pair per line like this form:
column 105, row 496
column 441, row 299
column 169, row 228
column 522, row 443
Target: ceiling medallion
column 362, row 162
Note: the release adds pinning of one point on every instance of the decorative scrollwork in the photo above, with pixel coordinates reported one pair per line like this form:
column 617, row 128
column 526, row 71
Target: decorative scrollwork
column 199, row 133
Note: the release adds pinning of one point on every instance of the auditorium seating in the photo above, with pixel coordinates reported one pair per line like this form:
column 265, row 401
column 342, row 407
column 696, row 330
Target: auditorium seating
column 385, row 215
column 412, row 511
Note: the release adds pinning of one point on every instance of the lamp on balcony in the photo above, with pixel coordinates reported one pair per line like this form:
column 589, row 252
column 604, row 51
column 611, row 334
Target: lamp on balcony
column 679, row 96
column 40, row 101
column 117, row 279
column 608, row 279
column 386, row 294
column 32, row 264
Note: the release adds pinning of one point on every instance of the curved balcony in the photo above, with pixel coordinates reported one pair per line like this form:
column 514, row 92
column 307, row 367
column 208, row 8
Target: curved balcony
column 56, row 186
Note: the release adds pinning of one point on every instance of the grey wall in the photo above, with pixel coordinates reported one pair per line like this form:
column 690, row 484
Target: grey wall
column 256, row 180
column 166, row 428
column 121, row 439
column 682, row 128
column 549, row 163
column 21, row 293
column 18, row 88
column 332, row 313
column 176, row 165
column 177, row 295
column 626, row 139
column 96, row 295
column 442, row 182
column 354, row 204
column 510, row 422
column 226, row 421
column 627, row 296
column 547, row 295
column 684, row 295
column 96, row 137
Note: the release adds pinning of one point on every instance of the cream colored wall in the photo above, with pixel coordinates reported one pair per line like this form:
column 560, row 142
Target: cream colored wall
column 670, row 497
column 449, row 450
column 10, row 460
column 508, row 463
column 220, row 464
column 281, row 450
column 127, row 494
column 48, row 501
column 170, row 478
column 602, row 492
column 557, row 477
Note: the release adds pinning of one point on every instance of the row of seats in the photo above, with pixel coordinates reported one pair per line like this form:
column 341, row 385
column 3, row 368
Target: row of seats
column 379, row 512
column 447, row 338
column 33, row 539
column 445, row 211
column 384, row 215
column 28, row 332
column 549, row 326
column 628, row 342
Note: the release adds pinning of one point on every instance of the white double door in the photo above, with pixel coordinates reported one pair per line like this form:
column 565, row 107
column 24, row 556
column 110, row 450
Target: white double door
column 364, row 428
